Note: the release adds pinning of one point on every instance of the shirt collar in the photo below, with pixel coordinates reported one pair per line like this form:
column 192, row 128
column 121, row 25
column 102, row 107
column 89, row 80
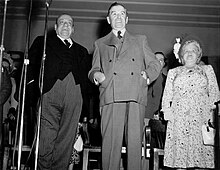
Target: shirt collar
column 116, row 32
column 68, row 39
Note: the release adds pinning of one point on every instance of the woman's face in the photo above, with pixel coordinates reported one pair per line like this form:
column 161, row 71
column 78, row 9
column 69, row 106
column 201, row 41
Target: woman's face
column 191, row 54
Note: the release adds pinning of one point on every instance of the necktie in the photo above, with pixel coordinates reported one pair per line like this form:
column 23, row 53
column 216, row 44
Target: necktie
column 67, row 43
column 119, row 35
column 119, row 44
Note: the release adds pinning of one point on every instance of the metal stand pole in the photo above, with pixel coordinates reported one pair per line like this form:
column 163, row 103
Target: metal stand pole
column 2, row 49
column 1, row 56
column 41, row 84
column 21, row 99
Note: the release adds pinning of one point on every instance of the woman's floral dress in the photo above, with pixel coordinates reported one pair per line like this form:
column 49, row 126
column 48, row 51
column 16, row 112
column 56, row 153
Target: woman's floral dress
column 189, row 96
column 75, row 157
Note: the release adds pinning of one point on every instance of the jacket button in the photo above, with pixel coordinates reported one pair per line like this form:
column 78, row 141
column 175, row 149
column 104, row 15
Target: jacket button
column 132, row 59
column 110, row 61
column 114, row 73
column 132, row 73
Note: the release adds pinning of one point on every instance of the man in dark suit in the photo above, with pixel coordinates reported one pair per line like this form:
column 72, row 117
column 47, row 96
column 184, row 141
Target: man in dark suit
column 123, row 66
column 155, row 90
column 65, row 85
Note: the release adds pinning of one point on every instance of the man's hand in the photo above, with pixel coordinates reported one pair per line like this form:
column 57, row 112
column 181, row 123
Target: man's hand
column 144, row 75
column 99, row 78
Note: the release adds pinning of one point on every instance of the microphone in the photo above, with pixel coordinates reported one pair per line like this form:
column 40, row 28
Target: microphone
column 48, row 2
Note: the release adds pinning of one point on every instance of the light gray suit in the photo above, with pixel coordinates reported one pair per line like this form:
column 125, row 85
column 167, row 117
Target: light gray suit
column 123, row 94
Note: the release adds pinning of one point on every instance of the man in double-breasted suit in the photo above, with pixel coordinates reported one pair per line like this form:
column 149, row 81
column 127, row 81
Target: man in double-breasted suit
column 123, row 66
column 65, row 84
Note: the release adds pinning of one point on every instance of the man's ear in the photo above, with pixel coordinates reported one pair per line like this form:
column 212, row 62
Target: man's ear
column 108, row 20
column 73, row 30
column 55, row 26
column 126, row 20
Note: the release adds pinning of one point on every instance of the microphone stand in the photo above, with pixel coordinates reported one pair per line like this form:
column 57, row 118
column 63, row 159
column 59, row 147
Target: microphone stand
column 2, row 40
column 22, row 89
column 41, row 77
column 1, row 56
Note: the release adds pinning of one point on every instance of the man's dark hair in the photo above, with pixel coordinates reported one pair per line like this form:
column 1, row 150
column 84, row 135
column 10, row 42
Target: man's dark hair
column 115, row 4
column 165, row 57
column 62, row 15
column 159, row 52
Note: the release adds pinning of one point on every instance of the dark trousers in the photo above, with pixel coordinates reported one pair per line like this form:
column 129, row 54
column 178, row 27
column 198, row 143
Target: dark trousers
column 61, row 110
column 117, row 120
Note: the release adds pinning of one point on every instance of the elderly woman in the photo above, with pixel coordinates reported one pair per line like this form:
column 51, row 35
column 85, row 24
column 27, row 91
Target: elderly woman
column 188, row 101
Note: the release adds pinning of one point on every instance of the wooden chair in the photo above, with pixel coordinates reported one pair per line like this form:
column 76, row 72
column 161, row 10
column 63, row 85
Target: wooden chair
column 97, row 149
column 156, row 153
column 94, row 149
column 158, row 133
column 9, row 148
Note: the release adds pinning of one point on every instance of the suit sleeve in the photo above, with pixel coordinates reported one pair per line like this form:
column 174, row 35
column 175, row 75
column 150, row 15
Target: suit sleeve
column 33, row 69
column 152, row 65
column 35, row 55
column 96, row 67
column 86, row 85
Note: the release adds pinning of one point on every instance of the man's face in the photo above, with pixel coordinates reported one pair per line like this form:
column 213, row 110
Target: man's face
column 160, row 58
column 5, row 64
column 117, row 17
column 64, row 26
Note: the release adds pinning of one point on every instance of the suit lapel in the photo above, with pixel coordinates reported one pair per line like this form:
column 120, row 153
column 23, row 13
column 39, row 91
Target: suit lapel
column 76, row 53
column 55, row 43
column 126, row 42
column 111, row 40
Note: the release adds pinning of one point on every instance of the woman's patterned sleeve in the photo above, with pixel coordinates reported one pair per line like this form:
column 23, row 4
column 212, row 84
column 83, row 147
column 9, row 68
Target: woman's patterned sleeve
column 213, row 89
column 168, row 91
